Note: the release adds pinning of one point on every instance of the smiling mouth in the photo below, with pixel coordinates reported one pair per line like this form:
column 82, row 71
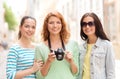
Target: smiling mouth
column 30, row 34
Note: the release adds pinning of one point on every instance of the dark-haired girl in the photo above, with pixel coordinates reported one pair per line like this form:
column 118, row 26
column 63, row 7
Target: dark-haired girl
column 20, row 60
column 97, row 56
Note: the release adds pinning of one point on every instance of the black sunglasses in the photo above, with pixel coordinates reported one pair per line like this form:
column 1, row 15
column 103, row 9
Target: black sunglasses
column 90, row 23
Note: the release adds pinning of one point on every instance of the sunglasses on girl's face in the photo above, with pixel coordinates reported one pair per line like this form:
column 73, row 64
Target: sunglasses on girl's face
column 90, row 23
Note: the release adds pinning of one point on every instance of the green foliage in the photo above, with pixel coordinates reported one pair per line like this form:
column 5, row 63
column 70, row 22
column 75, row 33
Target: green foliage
column 9, row 17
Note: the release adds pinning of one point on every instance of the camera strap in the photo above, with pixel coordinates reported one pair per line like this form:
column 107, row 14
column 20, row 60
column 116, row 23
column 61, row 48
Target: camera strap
column 49, row 44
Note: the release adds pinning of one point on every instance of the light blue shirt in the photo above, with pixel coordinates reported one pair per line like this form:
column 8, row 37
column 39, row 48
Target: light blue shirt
column 102, row 61
column 19, row 59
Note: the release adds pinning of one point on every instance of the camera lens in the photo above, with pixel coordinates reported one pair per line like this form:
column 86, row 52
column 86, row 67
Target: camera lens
column 59, row 54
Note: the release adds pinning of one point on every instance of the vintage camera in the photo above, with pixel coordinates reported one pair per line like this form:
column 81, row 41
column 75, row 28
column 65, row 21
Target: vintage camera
column 59, row 54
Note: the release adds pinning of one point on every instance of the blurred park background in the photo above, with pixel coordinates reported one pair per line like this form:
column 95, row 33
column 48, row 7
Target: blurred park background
column 11, row 12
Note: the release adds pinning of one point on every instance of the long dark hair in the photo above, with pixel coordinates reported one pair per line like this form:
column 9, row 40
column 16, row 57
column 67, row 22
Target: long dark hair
column 22, row 22
column 99, row 32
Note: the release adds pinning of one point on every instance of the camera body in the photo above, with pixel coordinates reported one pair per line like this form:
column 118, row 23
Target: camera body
column 59, row 54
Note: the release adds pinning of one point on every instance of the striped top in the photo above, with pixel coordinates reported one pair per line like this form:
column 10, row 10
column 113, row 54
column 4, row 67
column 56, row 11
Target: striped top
column 19, row 58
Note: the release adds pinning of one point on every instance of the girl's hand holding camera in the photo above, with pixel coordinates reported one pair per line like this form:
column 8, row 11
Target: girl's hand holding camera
column 51, row 57
column 68, row 56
